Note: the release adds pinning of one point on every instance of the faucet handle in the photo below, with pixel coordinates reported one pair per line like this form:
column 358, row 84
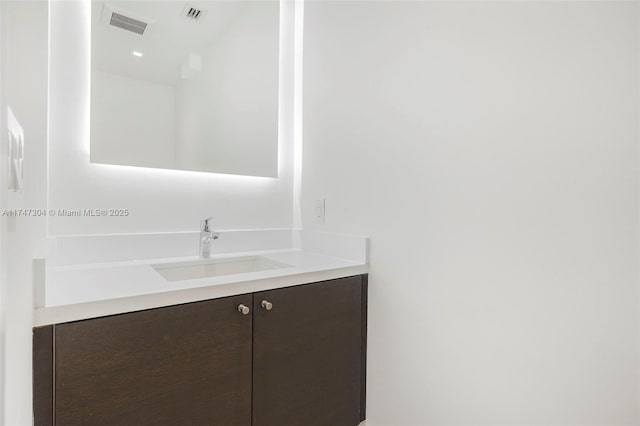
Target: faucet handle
column 205, row 225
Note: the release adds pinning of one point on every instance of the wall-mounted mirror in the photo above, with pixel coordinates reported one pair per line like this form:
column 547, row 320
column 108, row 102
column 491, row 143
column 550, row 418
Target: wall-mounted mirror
column 186, row 85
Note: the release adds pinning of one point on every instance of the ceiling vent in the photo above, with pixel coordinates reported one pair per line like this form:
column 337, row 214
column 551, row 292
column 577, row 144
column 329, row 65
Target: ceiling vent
column 126, row 23
column 193, row 13
column 124, row 20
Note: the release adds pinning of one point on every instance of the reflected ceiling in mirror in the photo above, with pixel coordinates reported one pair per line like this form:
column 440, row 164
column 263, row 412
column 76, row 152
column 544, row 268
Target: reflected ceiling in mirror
column 186, row 85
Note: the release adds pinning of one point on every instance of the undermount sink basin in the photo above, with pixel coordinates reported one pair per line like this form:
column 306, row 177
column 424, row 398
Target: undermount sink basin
column 178, row 271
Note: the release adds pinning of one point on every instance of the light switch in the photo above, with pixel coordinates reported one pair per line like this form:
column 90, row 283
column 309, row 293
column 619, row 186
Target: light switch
column 319, row 210
column 15, row 152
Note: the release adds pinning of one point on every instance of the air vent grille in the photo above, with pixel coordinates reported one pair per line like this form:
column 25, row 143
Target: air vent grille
column 193, row 13
column 128, row 24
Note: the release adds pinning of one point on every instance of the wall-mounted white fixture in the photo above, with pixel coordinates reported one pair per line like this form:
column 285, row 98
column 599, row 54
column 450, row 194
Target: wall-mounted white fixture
column 15, row 152
column 137, row 54
column 318, row 209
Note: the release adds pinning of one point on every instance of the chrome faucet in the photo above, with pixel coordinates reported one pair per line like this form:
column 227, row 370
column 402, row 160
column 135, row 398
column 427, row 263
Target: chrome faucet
column 207, row 235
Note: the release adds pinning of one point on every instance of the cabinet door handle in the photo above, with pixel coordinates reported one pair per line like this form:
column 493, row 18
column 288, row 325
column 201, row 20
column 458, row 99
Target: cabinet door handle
column 244, row 310
column 267, row 305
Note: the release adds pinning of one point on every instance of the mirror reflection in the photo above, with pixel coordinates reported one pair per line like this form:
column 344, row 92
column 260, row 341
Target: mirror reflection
column 186, row 85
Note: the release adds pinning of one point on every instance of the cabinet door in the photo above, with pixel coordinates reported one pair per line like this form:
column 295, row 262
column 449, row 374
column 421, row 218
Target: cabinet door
column 307, row 351
column 180, row 365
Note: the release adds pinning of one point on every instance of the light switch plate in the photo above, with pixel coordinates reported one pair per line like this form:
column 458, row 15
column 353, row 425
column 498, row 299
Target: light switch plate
column 15, row 152
column 318, row 209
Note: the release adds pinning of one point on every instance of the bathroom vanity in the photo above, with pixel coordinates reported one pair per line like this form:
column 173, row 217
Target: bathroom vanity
column 282, row 355
column 262, row 327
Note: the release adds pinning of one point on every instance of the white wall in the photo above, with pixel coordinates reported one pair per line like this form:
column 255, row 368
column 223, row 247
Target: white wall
column 3, row 227
column 490, row 150
column 24, row 73
column 159, row 200
column 133, row 122
column 227, row 116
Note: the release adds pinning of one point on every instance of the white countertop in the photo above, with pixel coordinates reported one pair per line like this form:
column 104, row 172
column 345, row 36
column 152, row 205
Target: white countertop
column 80, row 291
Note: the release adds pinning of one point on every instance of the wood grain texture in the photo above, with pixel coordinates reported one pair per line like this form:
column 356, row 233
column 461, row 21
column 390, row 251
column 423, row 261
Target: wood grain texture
column 180, row 365
column 43, row 376
column 307, row 355
column 363, row 337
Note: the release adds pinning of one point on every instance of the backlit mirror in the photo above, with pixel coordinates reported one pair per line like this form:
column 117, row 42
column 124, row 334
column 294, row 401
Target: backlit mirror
column 186, row 85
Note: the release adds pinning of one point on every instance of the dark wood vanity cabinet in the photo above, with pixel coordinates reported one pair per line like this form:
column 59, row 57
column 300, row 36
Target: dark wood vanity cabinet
column 179, row 365
column 307, row 354
column 296, row 358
